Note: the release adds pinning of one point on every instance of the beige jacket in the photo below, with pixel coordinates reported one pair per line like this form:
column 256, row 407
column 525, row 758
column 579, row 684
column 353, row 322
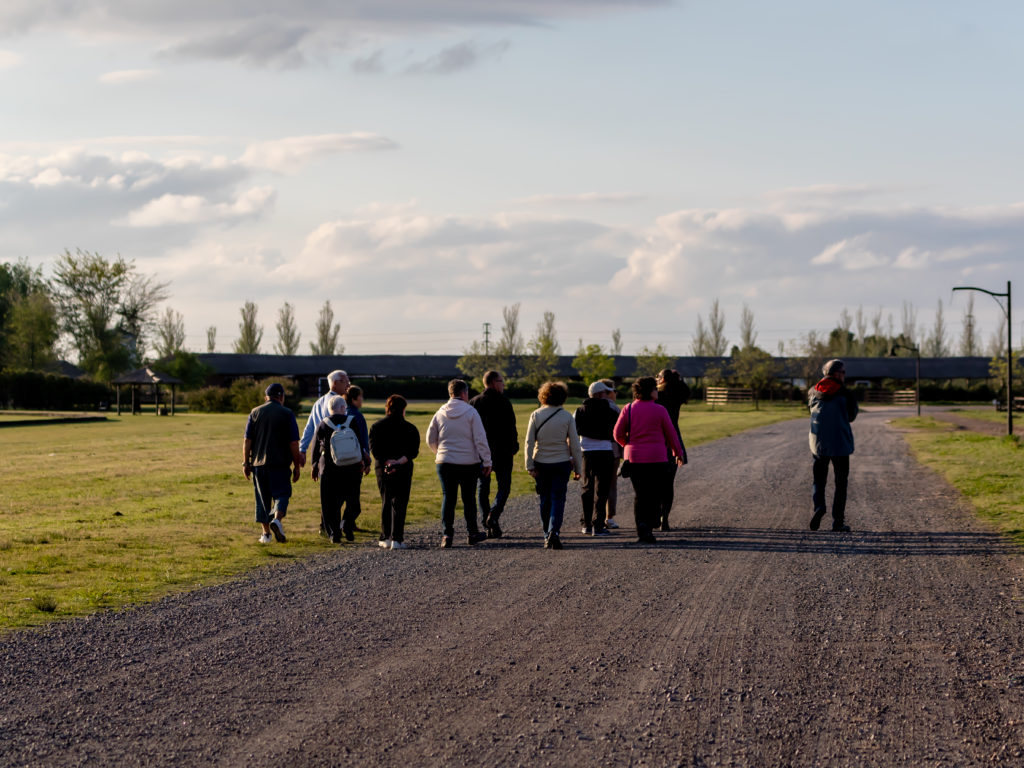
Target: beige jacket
column 551, row 438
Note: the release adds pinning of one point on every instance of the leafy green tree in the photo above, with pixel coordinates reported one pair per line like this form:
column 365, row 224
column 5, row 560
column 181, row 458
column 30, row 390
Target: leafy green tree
column 327, row 333
column 187, row 367
column 288, row 335
column 170, row 333
column 510, row 345
column 754, row 368
column 592, row 363
column 106, row 307
column 651, row 360
column 32, row 332
column 250, row 333
column 475, row 362
column 542, row 364
column 16, row 281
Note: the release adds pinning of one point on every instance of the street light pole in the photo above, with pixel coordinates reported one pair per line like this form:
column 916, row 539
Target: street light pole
column 1007, row 310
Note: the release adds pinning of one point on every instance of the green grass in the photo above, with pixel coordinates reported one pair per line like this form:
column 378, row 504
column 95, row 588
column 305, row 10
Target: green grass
column 987, row 470
column 986, row 414
column 98, row 515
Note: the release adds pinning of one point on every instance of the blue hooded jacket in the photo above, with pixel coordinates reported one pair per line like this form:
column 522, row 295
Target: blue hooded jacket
column 832, row 408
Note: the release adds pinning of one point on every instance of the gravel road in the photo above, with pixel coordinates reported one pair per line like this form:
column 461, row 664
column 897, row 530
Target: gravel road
column 742, row 639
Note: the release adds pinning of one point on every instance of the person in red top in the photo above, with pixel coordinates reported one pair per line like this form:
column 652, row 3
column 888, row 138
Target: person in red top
column 645, row 431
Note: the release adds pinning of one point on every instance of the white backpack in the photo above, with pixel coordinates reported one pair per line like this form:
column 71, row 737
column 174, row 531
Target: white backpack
column 345, row 448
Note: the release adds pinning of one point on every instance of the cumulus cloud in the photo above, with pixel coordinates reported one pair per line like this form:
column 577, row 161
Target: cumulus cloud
column 285, row 32
column 169, row 210
column 284, row 155
column 123, row 76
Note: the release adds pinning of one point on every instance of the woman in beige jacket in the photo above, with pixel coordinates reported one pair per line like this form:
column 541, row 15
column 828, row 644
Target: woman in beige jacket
column 552, row 454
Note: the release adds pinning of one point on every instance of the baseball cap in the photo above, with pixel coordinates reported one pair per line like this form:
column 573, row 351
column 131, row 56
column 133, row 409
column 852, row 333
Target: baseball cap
column 275, row 390
column 598, row 387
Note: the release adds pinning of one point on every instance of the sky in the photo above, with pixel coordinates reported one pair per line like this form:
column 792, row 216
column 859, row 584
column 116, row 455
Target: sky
column 422, row 164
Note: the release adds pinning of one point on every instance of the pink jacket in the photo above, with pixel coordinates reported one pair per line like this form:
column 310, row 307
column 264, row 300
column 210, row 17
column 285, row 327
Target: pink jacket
column 645, row 429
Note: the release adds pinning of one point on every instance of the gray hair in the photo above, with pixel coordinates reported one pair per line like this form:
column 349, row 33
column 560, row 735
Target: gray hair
column 833, row 366
column 334, row 376
column 336, row 404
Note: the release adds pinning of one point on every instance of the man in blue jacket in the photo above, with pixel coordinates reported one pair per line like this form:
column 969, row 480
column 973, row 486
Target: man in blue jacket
column 832, row 408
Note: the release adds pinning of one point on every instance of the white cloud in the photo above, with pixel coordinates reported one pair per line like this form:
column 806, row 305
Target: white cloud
column 288, row 154
column 583, row 198
column 192, row 209
column 9, row 60
column 125, row 76
column 457, row 58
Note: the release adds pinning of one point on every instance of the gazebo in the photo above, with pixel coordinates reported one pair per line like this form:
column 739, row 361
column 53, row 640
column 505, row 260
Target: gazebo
column 141, row 377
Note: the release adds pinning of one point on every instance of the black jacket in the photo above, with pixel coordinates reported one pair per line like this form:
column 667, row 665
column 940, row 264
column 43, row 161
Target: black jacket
column 392, row 438
column 596, row 419
column 499, row 420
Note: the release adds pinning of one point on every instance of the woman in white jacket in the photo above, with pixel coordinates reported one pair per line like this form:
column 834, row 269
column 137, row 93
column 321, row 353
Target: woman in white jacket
column 456, row 435
column 552, row 453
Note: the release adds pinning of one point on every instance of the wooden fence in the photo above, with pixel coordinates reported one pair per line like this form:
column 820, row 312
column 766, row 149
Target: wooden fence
column 888, row 397
column 728, row 395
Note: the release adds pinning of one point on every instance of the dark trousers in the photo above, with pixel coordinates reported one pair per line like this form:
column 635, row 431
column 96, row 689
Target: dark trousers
column 501, row 471
column 339, row 486
column 668, row 493
column 598, row 473
column 456, row 479
column 648, row 488
column 841, row 467
column 552, row 486
column 394, row 490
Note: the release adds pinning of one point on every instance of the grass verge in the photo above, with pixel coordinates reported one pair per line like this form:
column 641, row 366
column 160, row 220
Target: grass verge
column 98, row 515
column 987, row 470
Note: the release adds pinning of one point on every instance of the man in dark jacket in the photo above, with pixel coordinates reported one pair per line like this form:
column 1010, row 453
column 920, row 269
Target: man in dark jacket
column 595, row 420
column 499, row 419
column 832, row 408
column 271, row 458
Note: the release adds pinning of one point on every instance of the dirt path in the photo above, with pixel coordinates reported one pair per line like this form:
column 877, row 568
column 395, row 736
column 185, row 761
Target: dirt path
column 964, row 420
column 743, row 639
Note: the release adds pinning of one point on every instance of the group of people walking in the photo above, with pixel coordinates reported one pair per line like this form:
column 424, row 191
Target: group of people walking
column 474, row 441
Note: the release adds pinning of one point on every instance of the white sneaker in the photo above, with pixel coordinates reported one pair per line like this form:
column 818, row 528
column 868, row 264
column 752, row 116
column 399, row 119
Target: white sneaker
column 610, row 523
column 266, row 538
column 399, row 545
column 278, row 530
column 384, row 543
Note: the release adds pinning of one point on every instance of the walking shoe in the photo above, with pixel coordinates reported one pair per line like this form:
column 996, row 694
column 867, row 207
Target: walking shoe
column 446, row 542
column 349, row 536
column 610, row 523
column 547, row 543
column 602, row 532
column 323, row 532
column 586, row 530
column 554, row 542
column 646, row 538
column 278, row 530
column 494, row 530
column 266, row 538
column 841, row 528
column 816, row 520
column 399, row 545
column 384, row 543
column 476, row 538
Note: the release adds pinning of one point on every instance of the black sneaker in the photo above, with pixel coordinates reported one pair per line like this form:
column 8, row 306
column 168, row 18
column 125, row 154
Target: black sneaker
column 476, row 538
column 665, row 526
column 494, row 530
column 602, row 532
column 816, row 520
column 349, row 536
column 646, row 538
column 554, row 542
column 446, row 542
column 841, row 528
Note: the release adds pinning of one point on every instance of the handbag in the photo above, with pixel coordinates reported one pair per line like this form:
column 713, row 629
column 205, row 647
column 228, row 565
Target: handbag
column 626, row 469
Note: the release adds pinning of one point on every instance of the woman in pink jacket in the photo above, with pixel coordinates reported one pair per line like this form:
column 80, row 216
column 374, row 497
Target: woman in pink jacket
column 645, row 431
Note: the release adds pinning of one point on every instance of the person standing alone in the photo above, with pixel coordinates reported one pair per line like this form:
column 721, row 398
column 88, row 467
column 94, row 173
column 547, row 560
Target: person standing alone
column 499, row 419
column 832, row 408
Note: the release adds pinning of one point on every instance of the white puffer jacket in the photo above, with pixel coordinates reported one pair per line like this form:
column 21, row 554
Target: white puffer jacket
column 456, row 434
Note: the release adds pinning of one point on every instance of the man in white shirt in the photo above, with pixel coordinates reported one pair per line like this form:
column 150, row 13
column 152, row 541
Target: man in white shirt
column 339, row 384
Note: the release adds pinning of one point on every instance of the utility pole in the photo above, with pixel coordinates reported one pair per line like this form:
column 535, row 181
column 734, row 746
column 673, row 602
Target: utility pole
column 487, row 339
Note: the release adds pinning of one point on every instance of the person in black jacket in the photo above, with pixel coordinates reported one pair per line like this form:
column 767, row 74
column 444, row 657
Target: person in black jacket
column 337, row 484
column 672, row 395
column 394, row 443
column 499, row 419
column 595, row 420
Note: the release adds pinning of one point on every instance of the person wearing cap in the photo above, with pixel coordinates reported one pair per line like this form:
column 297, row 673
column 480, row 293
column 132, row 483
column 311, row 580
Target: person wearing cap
column 832, row 408
column 499, row 419
column 271, row 458
column 613, row 489
column 595, row 420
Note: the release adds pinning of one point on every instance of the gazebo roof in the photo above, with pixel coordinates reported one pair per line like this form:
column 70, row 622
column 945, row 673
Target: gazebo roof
column 146, row 376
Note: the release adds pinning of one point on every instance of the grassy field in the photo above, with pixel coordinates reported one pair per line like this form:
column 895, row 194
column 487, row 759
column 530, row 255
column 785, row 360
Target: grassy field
column 98, row 515
column 987, row 470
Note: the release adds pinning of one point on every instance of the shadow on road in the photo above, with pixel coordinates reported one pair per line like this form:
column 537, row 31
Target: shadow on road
column 903, row 543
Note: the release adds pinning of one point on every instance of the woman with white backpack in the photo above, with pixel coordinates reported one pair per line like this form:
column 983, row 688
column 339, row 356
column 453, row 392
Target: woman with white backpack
column 338, row 464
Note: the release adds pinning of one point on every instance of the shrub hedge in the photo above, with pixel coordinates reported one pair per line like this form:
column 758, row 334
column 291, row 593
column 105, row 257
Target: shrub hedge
column 47, row 391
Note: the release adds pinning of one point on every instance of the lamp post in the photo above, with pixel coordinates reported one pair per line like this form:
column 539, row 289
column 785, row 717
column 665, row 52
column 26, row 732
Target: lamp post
column 917, row 368
column 1009, row 345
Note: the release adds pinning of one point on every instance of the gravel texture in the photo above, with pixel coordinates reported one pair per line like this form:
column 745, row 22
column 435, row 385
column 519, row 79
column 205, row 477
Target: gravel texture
column 741, row 639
